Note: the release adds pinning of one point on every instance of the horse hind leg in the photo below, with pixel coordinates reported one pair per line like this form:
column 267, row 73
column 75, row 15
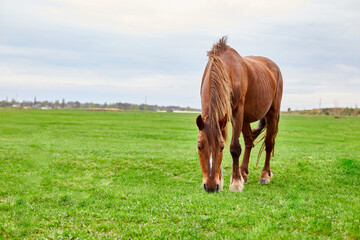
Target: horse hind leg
column 249, row 141
column 272, row 119
column 249, row 138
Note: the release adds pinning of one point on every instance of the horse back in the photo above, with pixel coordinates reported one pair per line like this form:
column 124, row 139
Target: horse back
column 264, row 87
column 256, row 83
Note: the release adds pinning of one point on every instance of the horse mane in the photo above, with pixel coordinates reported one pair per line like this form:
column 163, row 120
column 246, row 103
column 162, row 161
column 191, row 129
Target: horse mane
column 220, row 88
column 218, row 47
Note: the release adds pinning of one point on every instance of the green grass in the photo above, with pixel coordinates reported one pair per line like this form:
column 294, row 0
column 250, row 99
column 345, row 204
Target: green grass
column 68, row 174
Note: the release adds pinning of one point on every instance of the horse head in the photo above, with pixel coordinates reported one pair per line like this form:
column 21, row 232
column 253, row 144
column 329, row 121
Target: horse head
column 210, row 151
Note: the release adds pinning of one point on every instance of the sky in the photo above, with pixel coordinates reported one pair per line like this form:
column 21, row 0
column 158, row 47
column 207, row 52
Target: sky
column 155, row 51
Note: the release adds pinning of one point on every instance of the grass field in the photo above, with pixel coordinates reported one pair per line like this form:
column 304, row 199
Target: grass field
column 67, row 174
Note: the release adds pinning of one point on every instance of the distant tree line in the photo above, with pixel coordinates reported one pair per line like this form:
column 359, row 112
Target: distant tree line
column 337, row 112
column 89, row 105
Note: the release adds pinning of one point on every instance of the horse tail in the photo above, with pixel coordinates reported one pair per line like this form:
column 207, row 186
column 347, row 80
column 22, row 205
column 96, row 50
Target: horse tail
column 275, row 133
column 220, row 86
column 261, row 127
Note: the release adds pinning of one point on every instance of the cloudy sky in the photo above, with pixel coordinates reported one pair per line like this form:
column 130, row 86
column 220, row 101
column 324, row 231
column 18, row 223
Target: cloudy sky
column 123, row 51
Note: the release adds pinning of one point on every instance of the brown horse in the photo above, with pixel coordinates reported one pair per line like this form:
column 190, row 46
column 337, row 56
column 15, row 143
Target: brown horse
column 241, row 90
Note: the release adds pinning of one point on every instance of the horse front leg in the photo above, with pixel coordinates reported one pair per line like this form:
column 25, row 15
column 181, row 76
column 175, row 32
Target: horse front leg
column 236, row 181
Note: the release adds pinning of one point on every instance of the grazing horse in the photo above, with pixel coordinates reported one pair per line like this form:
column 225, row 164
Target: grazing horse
column 241, row 90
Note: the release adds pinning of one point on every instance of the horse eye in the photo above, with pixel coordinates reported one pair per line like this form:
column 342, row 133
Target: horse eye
column 222, row 148
column 199, row 148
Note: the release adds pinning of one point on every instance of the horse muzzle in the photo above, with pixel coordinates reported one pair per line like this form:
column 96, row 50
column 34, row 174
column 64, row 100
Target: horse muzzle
column 211, row 188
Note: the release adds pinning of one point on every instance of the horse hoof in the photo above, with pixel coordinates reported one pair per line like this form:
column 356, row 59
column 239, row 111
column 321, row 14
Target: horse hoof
column 245, row 179
column 264, row 181
column 244, row 174
column 265, row 177
column 236, row 186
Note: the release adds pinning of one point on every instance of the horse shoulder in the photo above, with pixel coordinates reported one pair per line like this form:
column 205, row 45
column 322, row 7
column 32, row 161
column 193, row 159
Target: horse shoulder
column 238, row 74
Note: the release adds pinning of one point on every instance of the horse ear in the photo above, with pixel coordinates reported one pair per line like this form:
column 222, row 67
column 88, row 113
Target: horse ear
column 223, row 122
column 200, row 122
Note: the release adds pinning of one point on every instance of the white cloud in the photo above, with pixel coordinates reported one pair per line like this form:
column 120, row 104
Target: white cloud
column 96, row 49
column 151, row 17
column 39, row 52
column 101, row 85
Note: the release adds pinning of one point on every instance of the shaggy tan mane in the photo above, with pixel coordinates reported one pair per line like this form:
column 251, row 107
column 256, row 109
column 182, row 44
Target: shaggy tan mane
column 219, row 47
column 220, row 87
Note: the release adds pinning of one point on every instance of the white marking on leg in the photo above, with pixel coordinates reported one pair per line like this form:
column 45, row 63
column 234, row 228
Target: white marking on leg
column 221, row 183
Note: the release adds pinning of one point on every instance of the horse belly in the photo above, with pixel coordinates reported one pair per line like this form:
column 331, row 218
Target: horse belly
column 253, row 113
column 258, row 101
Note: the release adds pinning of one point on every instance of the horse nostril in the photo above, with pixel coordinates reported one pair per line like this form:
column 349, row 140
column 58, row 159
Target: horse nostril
column 205, row 188
column 217, row 187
